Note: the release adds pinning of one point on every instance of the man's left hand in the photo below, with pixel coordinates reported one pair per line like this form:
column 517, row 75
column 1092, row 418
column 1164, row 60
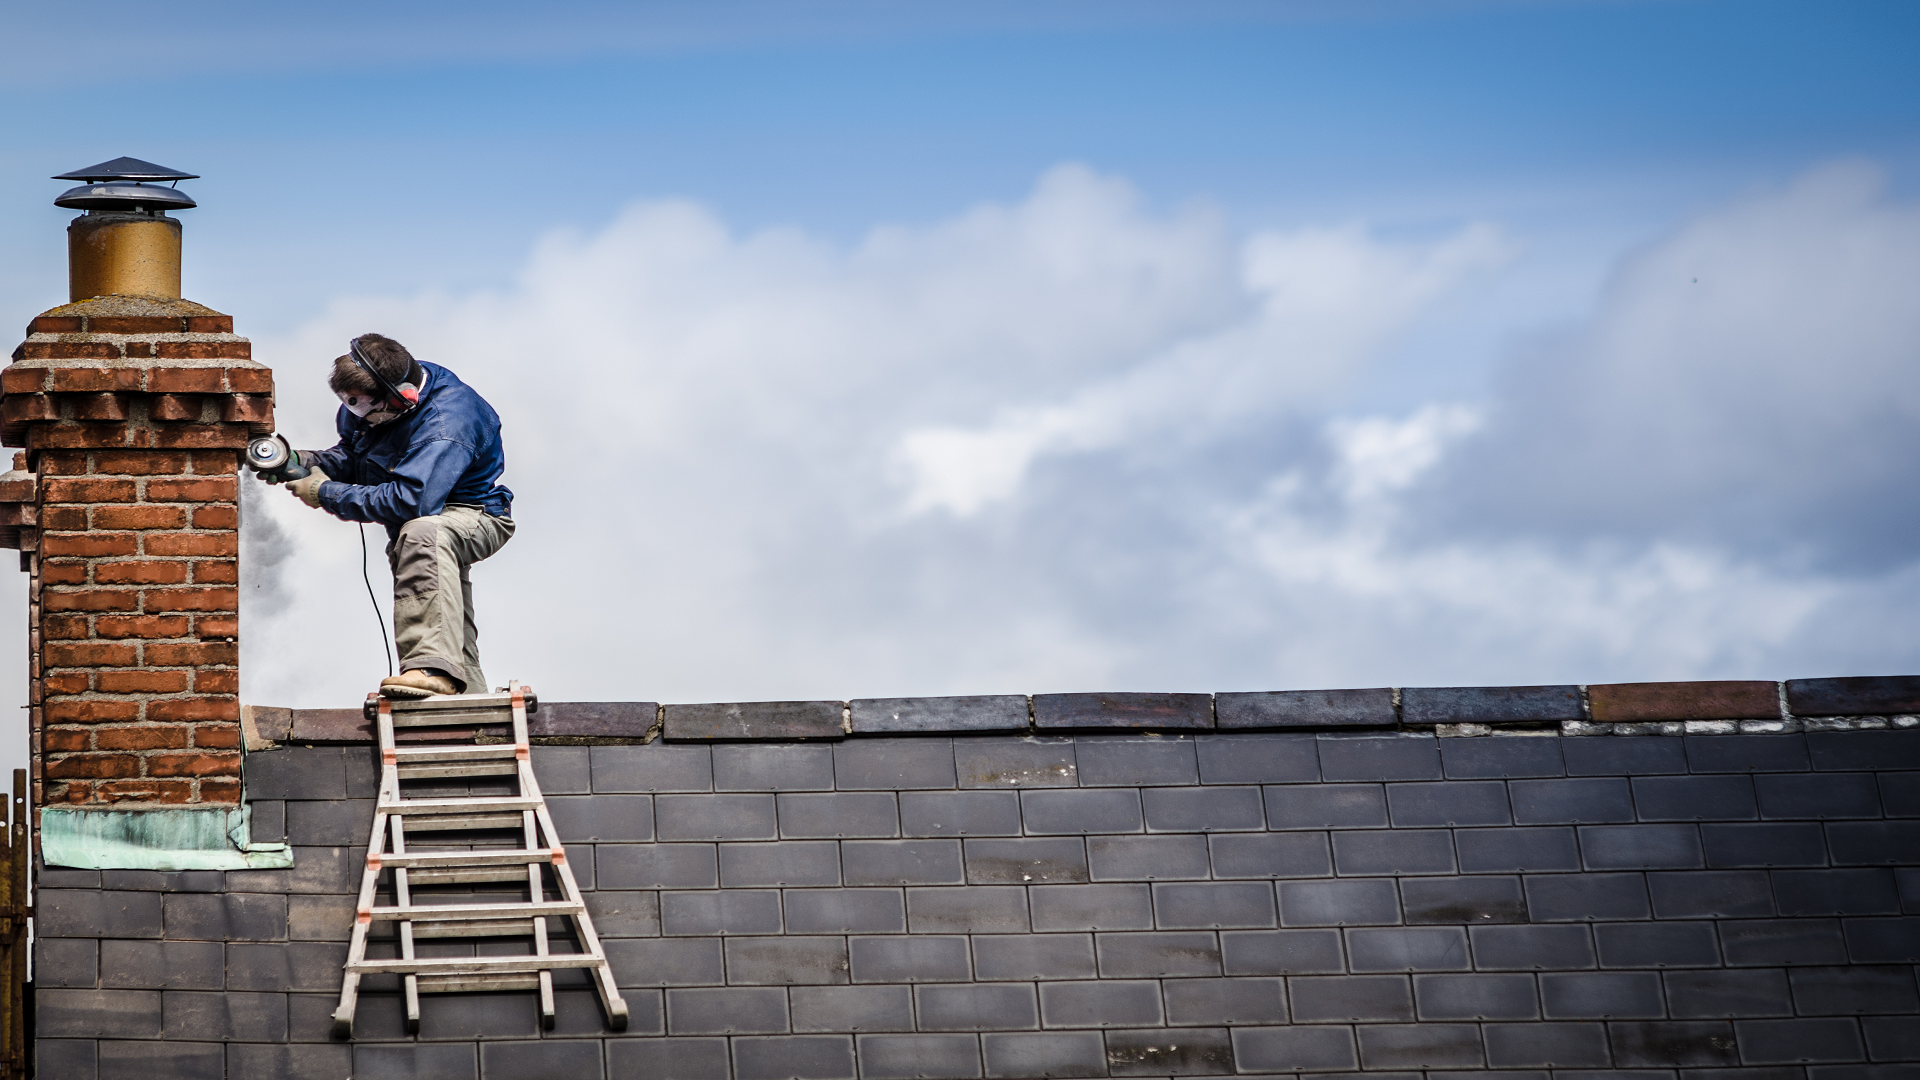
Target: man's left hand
column 308, row 488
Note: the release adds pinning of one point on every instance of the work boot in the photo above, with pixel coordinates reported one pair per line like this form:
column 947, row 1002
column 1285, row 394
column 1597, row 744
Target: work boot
column 418, row 683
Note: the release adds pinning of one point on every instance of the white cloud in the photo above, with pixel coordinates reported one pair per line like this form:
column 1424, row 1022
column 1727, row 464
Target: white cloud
column 1066, row 443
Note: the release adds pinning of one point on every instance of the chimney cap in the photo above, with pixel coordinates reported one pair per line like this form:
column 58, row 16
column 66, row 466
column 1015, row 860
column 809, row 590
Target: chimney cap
column 127, row 168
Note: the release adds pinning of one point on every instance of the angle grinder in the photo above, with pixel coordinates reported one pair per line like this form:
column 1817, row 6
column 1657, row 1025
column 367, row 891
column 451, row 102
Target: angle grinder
column 274, row 459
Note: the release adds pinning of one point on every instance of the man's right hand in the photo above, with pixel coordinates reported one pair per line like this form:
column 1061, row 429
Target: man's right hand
column 307, row 488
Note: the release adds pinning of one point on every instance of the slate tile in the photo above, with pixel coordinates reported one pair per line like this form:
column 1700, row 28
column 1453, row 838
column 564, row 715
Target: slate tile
column 971, row 909
column 474, row 1016
column 1729, row 993
column 733, row 1010
column 1196, row 1052
column 1531, row 948
column 1118, row 710
column 786, row 961
column 307, row 918
column 1711, row 894
column 1736, row 846
column 1147, row 858
column 308, row 1062
column 1891, row 1038
column 1423, row 948
column 1656, row 945
column 1641, row 847
column 1571, row 801
column 1507, row 851
column 1205, row 1002
column 1289, row 1049
column 1389, row 757
column 1402, row 851
column 1475, row 997
column 715, row 817
column 727, row 911
column 610, row 818
column 544, row 1060
column 1257, row 759
column 97, row 1014
column 1449, row 803
column 1271, row 855
column 1864, row 751
column 1883, row 941
column 1836, row 892
column 1355, row 902
column 1746, row 753
column 1868, row 695
column 959, row 813
column 562, row 770
column 1053, row 1054
column 1115, row 810
column 1333, row 998
column 851, row 1008
column 756, row 720
column 1135, row 761
column 1489, row 704
column 297, row 772
column 1586, row 897
column 1666, row 1045
column 1027, row 957
column 656, row 866
column 624, row 914
column 1153, row 955
column 1002, row 712
column 1623, row 755
column 772, row 767
column 226, row 916
column 1401, row 1046
column 128, row 1060
column 315, row 870
column 881, row 764
column 1208, row 809
column 1326, row 806
column 267, row 821
column 1042, row 860
column 1281, row 952
column 278, row 967
column 901, row 862
column 1694, row 798
column 1306, row 708
column 919, row 958
column 1857, row 990
column 978, row 1007
column 1016, row 763
column 668, row 1059
column 913, row 1057
column 1466, row 900
column 1874, row 843
column 162, row 965
column 1822, row 796
column 1080, row 908
column 797, row 863
column 67, row 963
column 1546, row 1046
column 425, row 1061
column 1782, row 942
column 845, row 911
column 1102, row 1004
column 70, row 1059
column 91, row 913
column 805, row 1057
column 1620, row 995
column 653, row 768
column 1502, row 758
column 1788, row 1042
column 859, row 814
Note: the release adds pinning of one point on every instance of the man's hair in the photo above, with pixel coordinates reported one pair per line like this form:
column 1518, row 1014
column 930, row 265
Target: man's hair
column 390, row 358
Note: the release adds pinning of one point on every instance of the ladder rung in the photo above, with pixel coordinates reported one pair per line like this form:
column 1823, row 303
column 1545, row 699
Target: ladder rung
column 455, row 753
column 475, row 965
column 456, row 823
column 449, row 984
column 453, row 912
column 448, row 702
column 489, row 928
column 444, row 769
column 480, row 804
column 519, row 857
column 457, row 875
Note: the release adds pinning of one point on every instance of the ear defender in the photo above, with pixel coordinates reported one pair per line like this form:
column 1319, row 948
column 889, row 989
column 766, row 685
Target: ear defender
column 410, row 392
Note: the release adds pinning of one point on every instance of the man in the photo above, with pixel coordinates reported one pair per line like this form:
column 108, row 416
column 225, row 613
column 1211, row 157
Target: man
column 420, row 453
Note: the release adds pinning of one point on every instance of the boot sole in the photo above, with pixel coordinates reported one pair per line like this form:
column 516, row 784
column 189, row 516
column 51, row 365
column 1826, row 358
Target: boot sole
column 411, row 693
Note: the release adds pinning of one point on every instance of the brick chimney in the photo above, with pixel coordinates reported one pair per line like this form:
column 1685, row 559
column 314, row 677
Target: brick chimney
column 134, row 408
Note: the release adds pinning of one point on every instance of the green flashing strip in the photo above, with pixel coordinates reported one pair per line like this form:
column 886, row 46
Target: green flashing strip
column 196, row 838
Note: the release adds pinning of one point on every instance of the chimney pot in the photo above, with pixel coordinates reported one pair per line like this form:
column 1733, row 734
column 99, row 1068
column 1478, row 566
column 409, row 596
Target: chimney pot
column 124, row 244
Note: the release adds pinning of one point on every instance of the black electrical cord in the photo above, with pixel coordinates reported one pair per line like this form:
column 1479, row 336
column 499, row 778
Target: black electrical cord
column 367, row 576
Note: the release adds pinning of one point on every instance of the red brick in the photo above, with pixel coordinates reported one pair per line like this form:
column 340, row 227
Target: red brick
column 140, row 626
column 137, row 350
column 77, row 791
column 248, row 409
column 215, row 462
column 144, row 791
column 89, row 545
column 192, row 599
column 142, row 682
column 67, row 682
column 90, row 600
column 69, row 350
column 143, row 572
column 250, row 380
column 194, row 709
column 209, row 324
column 92, row 489
column 23, row 380
column 190, row 544
column 99, row 407
column 186, row 380
column 56, row 324
column 140, row 463
column 21, row 408
column 216, row 517
column 217, row 572
column 57, row 627
column 64, row 573
column 77, row 380
column 203, row 489
column 219, row 791
column 94, row 654
column 63, row 740
column 92, row 712
column 1728, row 700
column 197, row 655
column 65, row 463
column 216, row 626
column 202, row 436
column 140, row 517
column 135, row 324
column 216, row 736
column 78, row 436
column 209, row 764
column 64, row 518
column 223, row 681
column 175, row 407
column 93, row 766
column 147, row 737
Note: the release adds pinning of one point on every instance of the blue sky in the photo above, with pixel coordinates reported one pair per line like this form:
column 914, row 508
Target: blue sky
column 1014, row 347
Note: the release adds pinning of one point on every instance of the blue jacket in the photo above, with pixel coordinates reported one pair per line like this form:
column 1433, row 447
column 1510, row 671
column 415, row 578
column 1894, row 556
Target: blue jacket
column 446, row 450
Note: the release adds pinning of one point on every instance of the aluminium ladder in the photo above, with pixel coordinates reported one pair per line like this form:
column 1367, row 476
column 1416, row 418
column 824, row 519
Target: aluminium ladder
column 477, row 824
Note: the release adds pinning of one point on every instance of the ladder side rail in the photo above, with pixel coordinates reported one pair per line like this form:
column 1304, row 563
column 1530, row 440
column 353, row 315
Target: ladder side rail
column 369, row 878
column 403, row 897
column 610, row 999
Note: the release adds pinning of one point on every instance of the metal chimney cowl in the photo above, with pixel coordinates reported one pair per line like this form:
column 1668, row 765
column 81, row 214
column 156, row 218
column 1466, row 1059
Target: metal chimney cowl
column 124, row 244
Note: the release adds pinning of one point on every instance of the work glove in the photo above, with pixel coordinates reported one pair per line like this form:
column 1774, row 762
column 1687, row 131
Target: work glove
column 308, row 488
column 299, row 458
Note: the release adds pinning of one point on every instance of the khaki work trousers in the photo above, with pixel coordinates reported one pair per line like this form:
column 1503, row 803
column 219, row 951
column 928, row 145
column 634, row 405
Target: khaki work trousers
column 433, row 625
